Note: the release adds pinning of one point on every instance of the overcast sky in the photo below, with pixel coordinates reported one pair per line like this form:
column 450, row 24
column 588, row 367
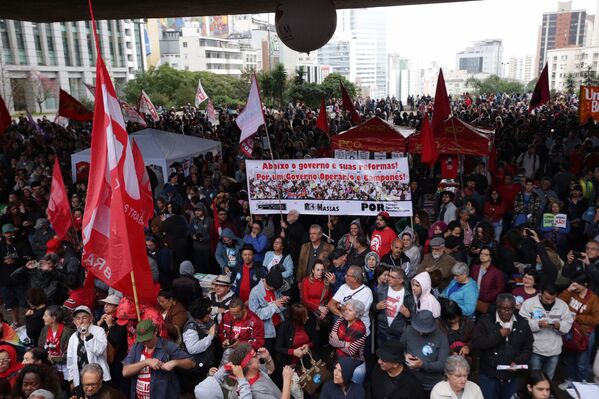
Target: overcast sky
column 437, row 32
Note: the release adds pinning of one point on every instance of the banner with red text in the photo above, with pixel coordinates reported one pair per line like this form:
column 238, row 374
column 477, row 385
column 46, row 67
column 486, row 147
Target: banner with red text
column 588, row 106
column 328, row 186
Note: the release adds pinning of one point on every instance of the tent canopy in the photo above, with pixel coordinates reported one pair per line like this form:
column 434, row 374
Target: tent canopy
column 160, row 148
column 374, row 135
column 457, row 137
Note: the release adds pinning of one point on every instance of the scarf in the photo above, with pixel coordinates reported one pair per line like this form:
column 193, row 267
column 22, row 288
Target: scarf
column 53, row 341
column 14, row 366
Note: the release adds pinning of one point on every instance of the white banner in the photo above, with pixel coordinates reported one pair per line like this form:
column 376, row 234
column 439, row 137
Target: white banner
column 328, row 186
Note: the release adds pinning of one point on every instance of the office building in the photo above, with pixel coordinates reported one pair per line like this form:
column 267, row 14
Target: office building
column 64, row 54
column 485, row 56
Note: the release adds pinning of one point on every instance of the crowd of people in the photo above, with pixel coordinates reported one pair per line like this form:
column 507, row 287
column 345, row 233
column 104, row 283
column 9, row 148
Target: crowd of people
column 476, row 296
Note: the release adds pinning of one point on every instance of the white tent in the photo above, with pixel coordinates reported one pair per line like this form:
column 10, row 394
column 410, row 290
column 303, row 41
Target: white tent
column 160, row 149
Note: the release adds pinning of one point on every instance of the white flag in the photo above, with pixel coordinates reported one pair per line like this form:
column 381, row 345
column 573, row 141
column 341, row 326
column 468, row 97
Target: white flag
column 250, row 119
column 211, row 113
column 201, row 95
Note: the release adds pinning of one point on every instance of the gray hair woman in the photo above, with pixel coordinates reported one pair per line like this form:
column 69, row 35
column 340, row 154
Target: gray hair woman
column 456, row 384
column 348, row 336
column 463, row 290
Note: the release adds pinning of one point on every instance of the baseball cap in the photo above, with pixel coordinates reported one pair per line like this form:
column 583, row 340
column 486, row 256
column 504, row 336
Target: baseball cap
column 111, row 300
column 82, row 308
column 145, row 331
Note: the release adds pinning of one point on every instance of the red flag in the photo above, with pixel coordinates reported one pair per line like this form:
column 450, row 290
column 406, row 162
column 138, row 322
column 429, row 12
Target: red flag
column 427, row 141
column 541, row 94
column 131, row 115
column 146, row 106
column 69, row 107
column 250, row 119
column 113, row 224
column 144, row 184
column 348, row 104
column 5, row 120
column 441, row 109
column 322, row 122
column 59, row 208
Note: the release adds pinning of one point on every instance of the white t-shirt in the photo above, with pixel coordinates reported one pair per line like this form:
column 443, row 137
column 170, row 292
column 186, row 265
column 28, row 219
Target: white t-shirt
column 362, row 294
column 394, row 301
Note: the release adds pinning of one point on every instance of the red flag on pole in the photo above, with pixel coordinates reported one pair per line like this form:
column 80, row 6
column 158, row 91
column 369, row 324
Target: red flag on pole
column 541, row 93
column 146, row 106
column 250, row 119
column 59, row 208
column 113, row 222
column 322, row 122
column 441, row 109
column 427, row 141
column 144, row 184
column 70, row 108
column 131, row 115
column 5, row 120
column 348, row 104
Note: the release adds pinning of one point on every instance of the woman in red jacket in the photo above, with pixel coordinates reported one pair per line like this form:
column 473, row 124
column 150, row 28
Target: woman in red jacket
column 489, row 278
column 315, row 291
column 494, row 210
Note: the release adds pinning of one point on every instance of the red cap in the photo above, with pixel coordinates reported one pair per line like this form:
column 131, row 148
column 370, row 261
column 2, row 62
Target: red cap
column 125, row 311
column 52, row 245
column 385, row 215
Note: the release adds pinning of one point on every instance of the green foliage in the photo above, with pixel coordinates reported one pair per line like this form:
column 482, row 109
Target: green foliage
column 169, row 87
column 589, row 77
column 494, row 84
column 570, row 84
column 331, row 88
column 530, row 86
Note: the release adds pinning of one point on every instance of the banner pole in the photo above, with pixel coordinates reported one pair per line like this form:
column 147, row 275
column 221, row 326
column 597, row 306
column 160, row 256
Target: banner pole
column 135, row 296
column 275, row 170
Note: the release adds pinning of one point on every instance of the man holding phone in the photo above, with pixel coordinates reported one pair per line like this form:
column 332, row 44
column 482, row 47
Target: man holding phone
column 584, row 262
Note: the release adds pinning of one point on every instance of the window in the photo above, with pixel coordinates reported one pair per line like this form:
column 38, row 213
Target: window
column 91, row 46
column 76, row 43
column 6, row 50
column 21, row 54
column 50, row 45
column 65, row 44
column 37, row 40
column 184, row 44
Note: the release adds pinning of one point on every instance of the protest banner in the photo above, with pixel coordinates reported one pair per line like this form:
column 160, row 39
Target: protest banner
column 588, row 103
column 328, row 186
column 558, row 221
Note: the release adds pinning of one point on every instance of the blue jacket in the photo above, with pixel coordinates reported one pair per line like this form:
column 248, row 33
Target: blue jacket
column 164, row 384
column 287, row 265
column 466, row 296
column 259, row 243
column 265, row 310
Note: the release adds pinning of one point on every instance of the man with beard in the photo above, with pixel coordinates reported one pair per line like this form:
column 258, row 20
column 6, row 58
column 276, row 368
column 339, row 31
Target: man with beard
column 397, row 258
column 310, row 251
column 585, row 262
column 383, row 235
column 438, row 264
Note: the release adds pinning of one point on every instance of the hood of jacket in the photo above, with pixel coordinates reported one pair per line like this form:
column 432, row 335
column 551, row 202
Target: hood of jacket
column 424, row 279
column 348, row 365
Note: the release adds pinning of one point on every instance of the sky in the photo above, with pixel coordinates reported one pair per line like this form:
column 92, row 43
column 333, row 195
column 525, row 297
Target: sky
column 437, row 32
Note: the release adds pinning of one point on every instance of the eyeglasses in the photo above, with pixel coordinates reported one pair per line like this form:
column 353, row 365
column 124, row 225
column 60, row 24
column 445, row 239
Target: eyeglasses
column 591, row 248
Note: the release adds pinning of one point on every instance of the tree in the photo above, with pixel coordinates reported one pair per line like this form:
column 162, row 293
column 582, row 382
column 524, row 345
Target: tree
column 299, row 79
column 570, row 84
column 530, row 86
column 589, row 77
column 494, row 84
column 279, row 83
column 331, row 88
column 265, row 81
column 310, row 93
column 42, row 88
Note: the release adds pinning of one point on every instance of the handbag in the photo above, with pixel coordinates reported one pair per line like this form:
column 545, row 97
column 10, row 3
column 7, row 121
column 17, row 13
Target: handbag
column 313, row 377
column 327, row 319
column 576, row 340
column 482, row 307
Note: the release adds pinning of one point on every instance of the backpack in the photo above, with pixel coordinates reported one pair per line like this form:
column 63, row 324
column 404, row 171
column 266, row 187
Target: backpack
column 204, row 359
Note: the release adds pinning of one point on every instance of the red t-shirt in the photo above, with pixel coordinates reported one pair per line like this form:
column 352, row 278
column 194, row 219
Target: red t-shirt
column 271, row 297
column 508, row 194
column 244, row 288
column 381, row 240
column 142, row 388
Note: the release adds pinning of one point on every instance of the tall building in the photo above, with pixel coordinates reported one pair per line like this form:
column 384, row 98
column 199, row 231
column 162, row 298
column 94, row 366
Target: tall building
column 563, row 28
column 64, row 54
column 485, row 56
column 358, row 50
column 521, row 68
column 398, row 77
column 574, row 61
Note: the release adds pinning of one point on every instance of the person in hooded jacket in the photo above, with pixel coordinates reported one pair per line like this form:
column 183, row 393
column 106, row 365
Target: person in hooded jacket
column 427, row 349
column 347, row 240
column 186, row 287
column 200, row 226
column 228, row 251
column 423, row 298
column 341, row 386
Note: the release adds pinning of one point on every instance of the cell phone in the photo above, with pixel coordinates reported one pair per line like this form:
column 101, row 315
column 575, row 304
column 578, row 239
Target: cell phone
column 577, row 255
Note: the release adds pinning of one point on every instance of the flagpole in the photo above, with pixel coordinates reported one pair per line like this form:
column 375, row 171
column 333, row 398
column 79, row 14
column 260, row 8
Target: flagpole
column 135, row 296
column 274, row 165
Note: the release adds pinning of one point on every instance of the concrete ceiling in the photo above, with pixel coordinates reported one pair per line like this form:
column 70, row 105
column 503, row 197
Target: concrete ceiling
column 77, row 10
